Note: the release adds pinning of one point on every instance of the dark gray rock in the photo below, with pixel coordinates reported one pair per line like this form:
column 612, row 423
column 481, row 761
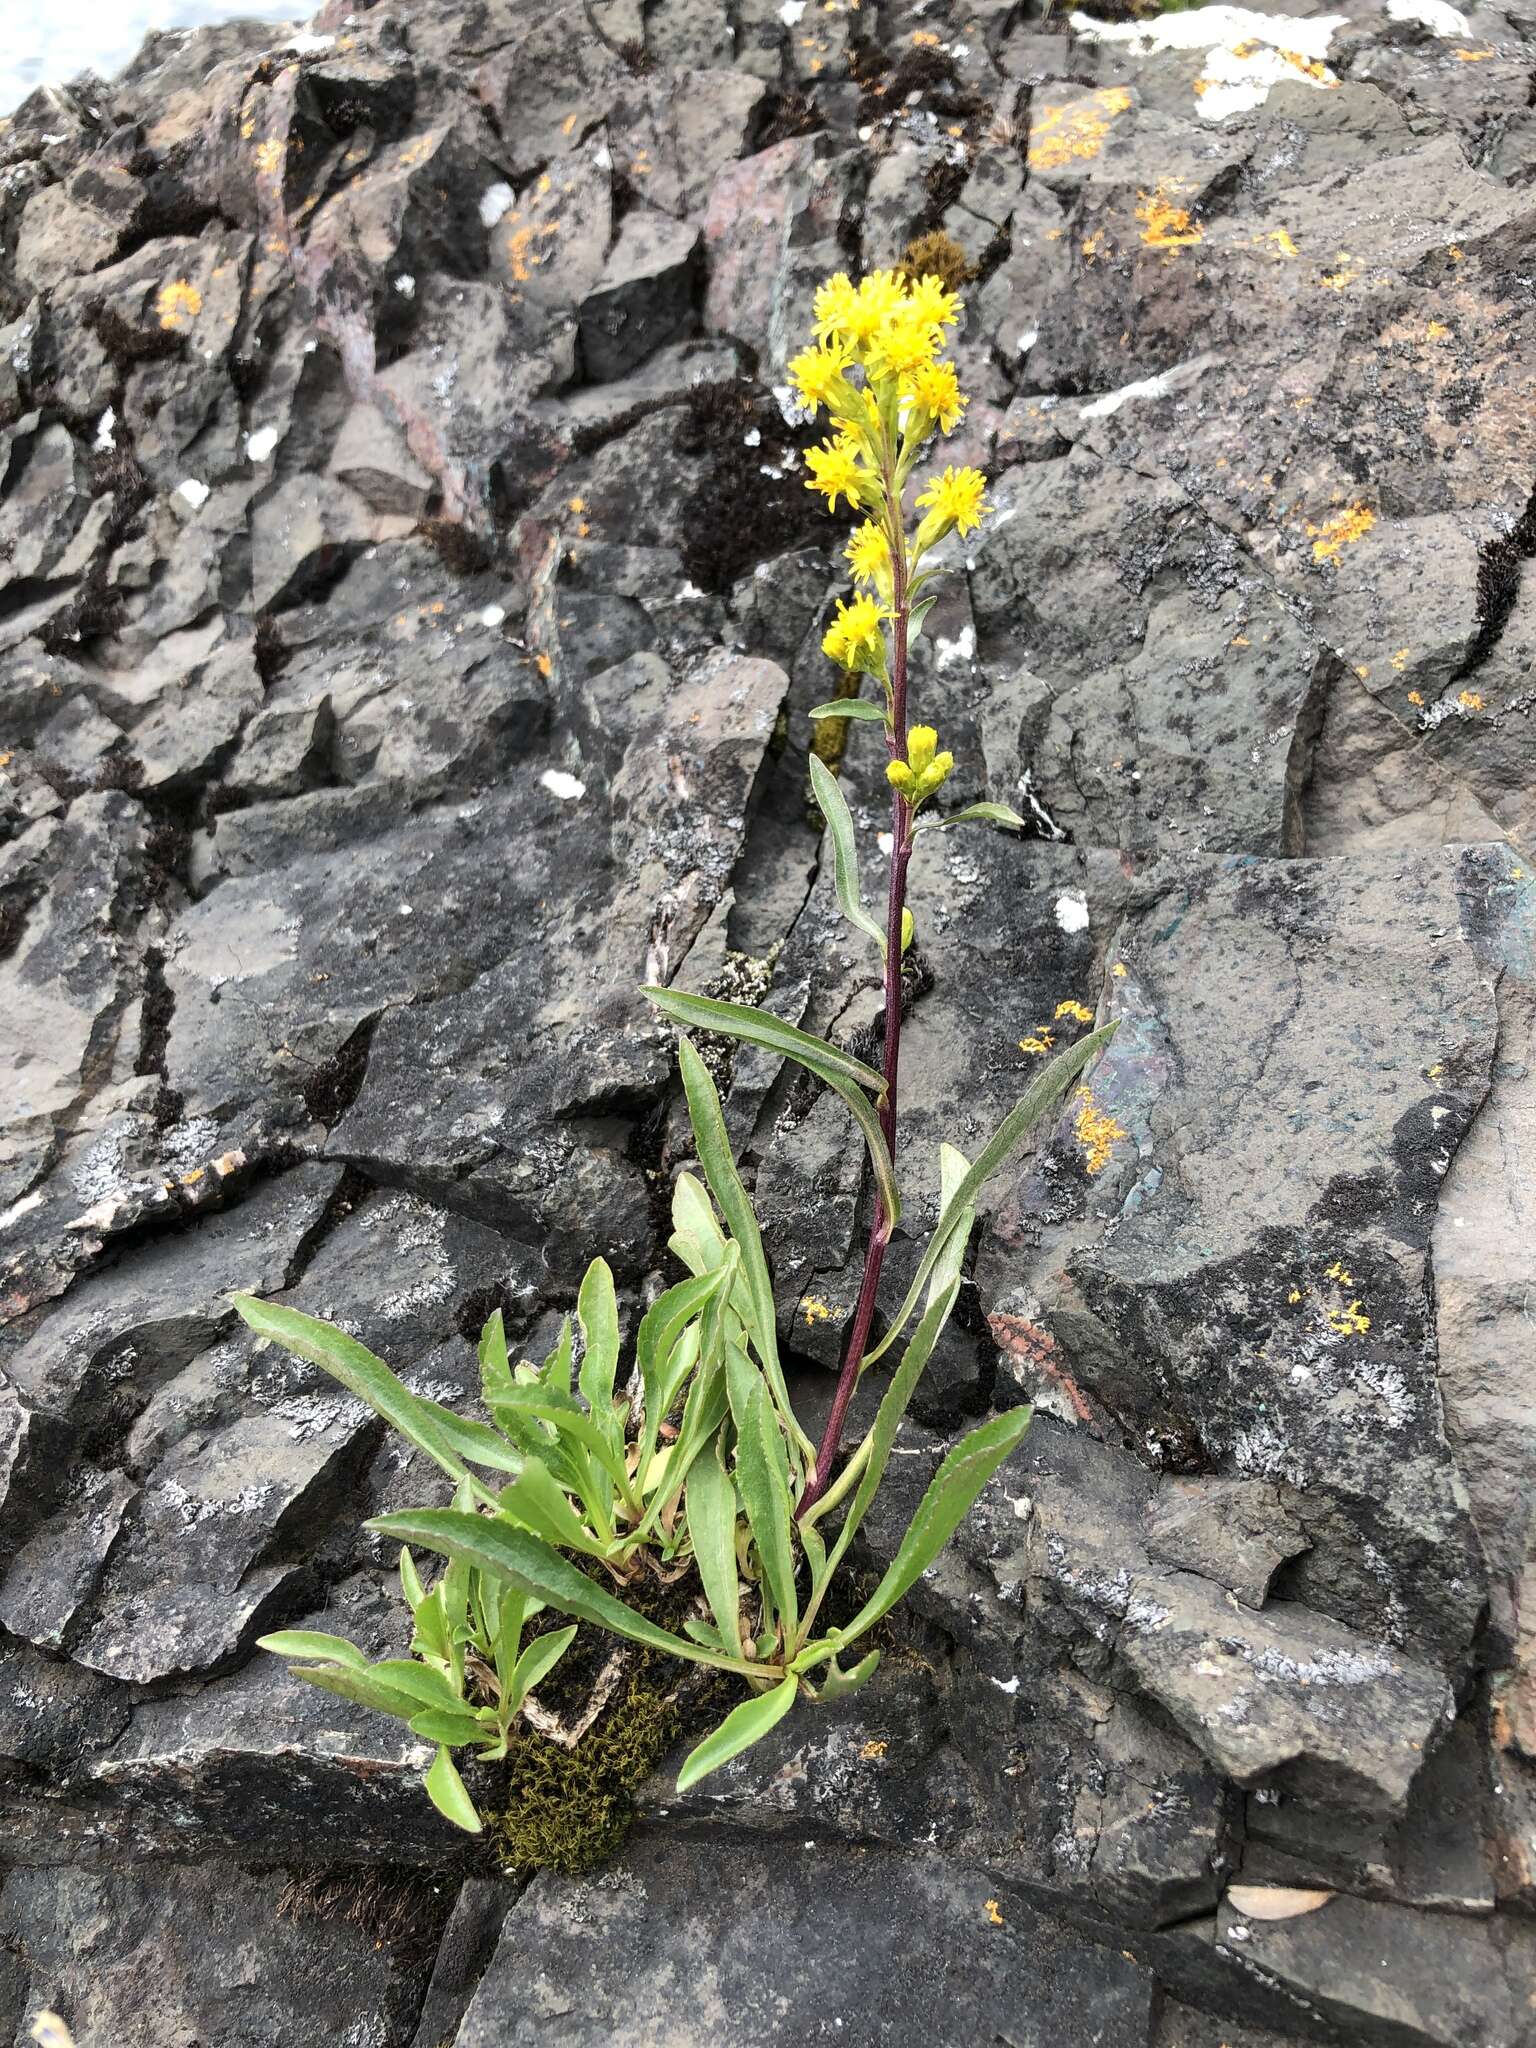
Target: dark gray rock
column 912, row 1946
column 644, row 297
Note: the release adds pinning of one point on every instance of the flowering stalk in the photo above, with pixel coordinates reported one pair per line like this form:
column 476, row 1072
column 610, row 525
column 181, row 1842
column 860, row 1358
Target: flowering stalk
column 888, row 333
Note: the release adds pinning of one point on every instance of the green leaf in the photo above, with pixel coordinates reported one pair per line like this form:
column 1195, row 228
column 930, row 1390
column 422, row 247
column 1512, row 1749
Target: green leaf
column 410, row 1582
column 422, row 1681
column 438, row 1725
column 762, row 1474
column 974, row 814
column 828, row 793
column 433, row 1637
column 759, row 1027
column 1042, row 1094
column 712, row 1532
column 475, row 1441
column 493, row 1345
column 953, row 1167
column 361, row 1687
column 837, row 1684
column 714, row 1147
column 742, row 1726
column 309, row 1642
column 597, row 1310
column 940, row 1512
column 918, row 614
column 445, row 1789
column 369, row 1378
column 545, row 1404
column 538, row 1660
column 893, row 1405
column 848, row 707
column 530, row 1563
column 660, row 1352
column 540, row 1504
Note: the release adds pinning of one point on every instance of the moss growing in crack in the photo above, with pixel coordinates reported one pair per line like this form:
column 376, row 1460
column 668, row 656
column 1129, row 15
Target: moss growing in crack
column 569, row 1809
column 937, row 255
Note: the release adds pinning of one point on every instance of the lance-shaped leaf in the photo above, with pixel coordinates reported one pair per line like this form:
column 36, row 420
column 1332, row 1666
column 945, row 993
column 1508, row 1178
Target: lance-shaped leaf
column 742, row 1726
column 850, row 1077
column 893, row 1406
column 597, row 1310
column 1042, row 1095
column 537, row 1661
column 836, row 1684
column 310, row 1642
column 538, row 1570
column 712, row 1532
column 540, row 1504
column 662, row 1356
column 369, row 1378
column 445, row 1789
column 828, row 793
column 709, row 1133
column 848, row 707
column 759, row 1027
column 973, row 814
column 762, row 1476
column 940, row 1512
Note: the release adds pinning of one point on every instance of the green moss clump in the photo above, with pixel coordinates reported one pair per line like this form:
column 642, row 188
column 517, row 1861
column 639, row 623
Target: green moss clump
column 569, row 1809
column 937, row 255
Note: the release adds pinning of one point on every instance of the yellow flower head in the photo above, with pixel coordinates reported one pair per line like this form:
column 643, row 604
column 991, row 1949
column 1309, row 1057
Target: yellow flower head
column 868, row 553
column 855, row 638
column 818, row 373
column 932, row 302
column 833, row 302
column 934, row 388
column 955, row 499
column 904, row 344
column 837, row 472
column 924, row 770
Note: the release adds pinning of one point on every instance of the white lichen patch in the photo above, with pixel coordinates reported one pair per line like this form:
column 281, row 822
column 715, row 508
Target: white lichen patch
column 1111, row 402
column 1072, row 910
column 568, row 788
column 194, row 492
column 1435, row 15
column 1247, row 53
column 259, row 445
column 495, row 202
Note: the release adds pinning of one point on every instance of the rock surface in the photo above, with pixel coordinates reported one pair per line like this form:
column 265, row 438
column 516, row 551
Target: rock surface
column 409, row 609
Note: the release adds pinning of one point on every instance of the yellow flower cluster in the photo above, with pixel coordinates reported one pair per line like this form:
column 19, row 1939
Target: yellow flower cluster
column 924, row 770
column 856, row 637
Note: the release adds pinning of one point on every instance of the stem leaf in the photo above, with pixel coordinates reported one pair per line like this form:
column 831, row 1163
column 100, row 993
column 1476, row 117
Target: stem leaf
column 445, row 1789
column 742, row 1726
column 845, row 858
column 948, row 1500
column 848, row 707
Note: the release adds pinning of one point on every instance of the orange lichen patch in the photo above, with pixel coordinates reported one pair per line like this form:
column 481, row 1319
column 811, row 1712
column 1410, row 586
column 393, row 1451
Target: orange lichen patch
column 268, row 156
column 1064, row 135
column 544, row 665
column 1470, row 700
column 1078, row 1011
column 1310, row 67
column 1281, row 237
column 568, row 125
column 1164, row 223
column 1455, row 253
column 1336, row 1272
column 1415, row 697
column 522, row 246
column 1294, row 1295
column 1400, row 659
column 1041, row 1042
column 1031, row 1346
column 1471, row 56
column 872, row 1752
column 1119, row 970
column 1092, row 245
column 924, row 39
column 1437, row 331
column 1096, row 1131
column 1331, row 538
column 815, row 1310
column 993, row 1913
column 178, row 305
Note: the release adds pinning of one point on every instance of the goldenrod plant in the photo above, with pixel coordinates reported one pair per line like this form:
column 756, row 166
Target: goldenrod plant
column 693, row 1462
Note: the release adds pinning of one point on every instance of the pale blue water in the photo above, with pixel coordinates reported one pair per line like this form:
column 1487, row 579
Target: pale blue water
column 45, row 41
